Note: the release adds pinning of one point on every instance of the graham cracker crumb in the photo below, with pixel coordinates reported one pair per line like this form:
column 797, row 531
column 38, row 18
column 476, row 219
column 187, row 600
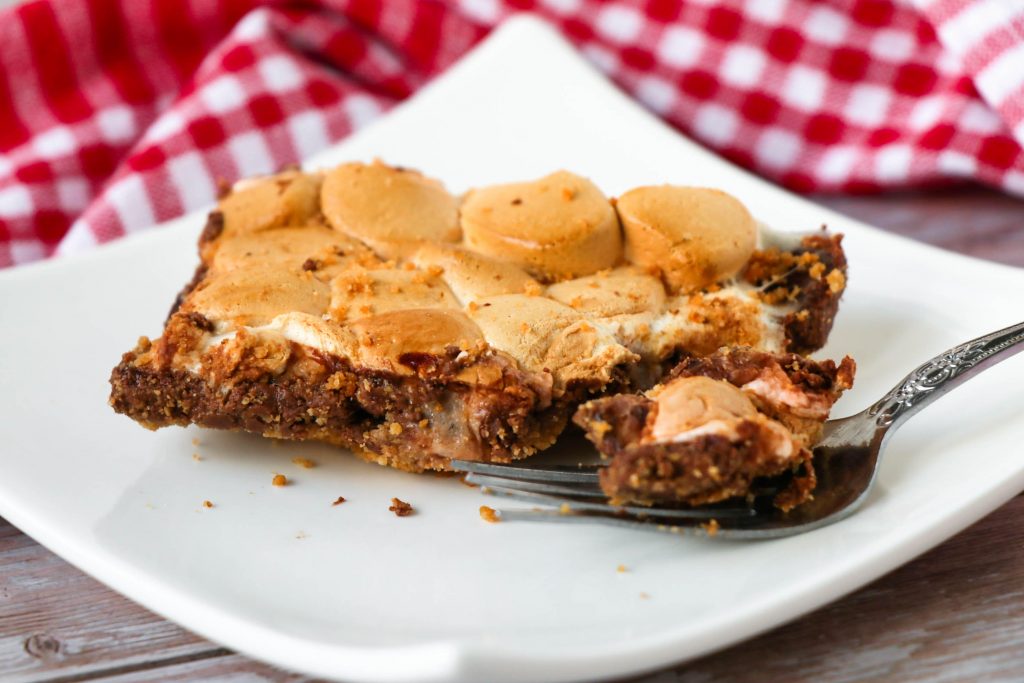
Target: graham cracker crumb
column 400, row 508
column 836, row 281
column 489, row 514
column 197, row 457
column 621, row 569
column 279, row 480
column 600, row 428
column 395, row 429
column 711, row 528
column 532, row 288
column 304, row 462
column 338, row 501
column 207, row 504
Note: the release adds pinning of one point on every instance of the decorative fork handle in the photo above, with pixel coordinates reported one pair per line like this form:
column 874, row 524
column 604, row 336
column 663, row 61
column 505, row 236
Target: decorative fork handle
column 940, row 375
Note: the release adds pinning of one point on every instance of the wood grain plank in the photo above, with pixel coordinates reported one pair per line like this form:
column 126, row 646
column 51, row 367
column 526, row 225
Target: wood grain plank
column 56, row 620
column 956, row 613
column 230, row 667
column 974, row 221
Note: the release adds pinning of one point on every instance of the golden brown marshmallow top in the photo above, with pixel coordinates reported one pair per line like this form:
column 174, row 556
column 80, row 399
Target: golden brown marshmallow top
column 689, row 408
column 306, row 273
column 557, row 227
column 472, row 276
column 691, row 402
column 288, row 198
column 693, row 236
column 391, row 209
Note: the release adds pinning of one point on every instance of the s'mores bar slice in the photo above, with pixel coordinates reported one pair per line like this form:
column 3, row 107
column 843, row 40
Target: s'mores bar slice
column 366, row 306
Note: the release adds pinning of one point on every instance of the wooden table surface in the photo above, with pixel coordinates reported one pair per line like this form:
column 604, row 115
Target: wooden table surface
column 954, row 614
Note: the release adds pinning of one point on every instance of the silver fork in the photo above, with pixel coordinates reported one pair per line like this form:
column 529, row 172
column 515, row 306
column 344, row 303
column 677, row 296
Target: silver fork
column 846, row 461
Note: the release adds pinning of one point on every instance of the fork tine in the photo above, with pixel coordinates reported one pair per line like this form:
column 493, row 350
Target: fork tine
column 584, row 475
column 636, row 512
column 582, row 490
column 595, row 517
column 728, row 530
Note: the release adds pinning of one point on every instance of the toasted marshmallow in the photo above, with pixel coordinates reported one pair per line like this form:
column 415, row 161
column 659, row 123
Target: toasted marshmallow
column 546, row 336
column 701, row 323
column 558, row 227
column 691, row 407
column 392, row 210
column 692, row 402
column 358, row 292
column 315, row 248
column 522, row 326
column 393, row 341
column 313, row 332
column 774, row 387
column 287, row 198
column 621, row 291
column 255, row 296
column 693, row 236
column 472, row 276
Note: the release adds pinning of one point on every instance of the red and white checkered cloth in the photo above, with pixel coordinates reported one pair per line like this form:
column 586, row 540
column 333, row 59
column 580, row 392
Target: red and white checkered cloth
column 118, row 114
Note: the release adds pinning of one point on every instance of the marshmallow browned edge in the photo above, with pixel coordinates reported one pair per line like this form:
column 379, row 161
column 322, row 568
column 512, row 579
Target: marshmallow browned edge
column 558, row 227
column 393, row 210
column 693, row 236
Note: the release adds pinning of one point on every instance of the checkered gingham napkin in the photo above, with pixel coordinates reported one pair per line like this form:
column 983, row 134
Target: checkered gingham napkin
column 118, row 114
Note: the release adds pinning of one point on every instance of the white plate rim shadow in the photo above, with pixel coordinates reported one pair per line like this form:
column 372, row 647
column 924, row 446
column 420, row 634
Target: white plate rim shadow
column 455, row 659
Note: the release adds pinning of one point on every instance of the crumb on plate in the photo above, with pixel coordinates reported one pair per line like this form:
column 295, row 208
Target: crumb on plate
column 400, row 508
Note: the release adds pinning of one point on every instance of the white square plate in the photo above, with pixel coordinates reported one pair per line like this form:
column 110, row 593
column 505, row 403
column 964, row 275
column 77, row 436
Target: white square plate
column 355, row 593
